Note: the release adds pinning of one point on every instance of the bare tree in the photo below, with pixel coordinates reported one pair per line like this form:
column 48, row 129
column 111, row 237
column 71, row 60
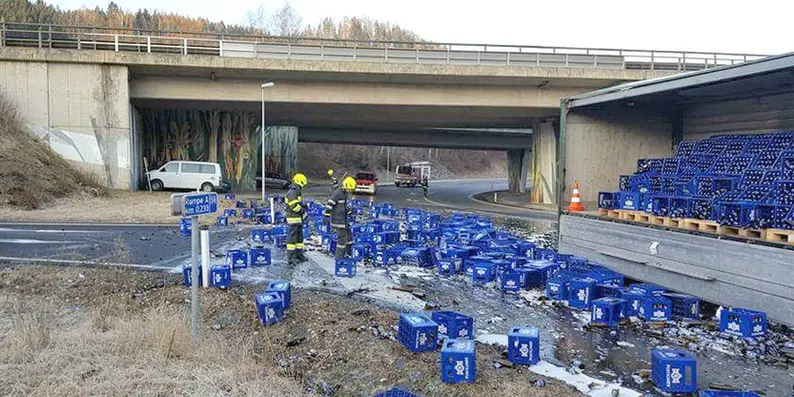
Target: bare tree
column 286, row 21
column 258, row 19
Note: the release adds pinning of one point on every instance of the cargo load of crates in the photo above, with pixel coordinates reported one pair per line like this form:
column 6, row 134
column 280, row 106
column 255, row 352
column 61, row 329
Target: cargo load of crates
column 738, row 181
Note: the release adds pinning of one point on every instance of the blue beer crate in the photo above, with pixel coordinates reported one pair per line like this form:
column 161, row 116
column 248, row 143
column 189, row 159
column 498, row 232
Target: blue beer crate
column 396, row 393
column 581, row 293
column 345, row 267
column 784, row 192
column 624, row 185
column 628, row 201
column 283, row 289
column 684, row 306
column 656, row 308
column 647, row 289
column 510, row 280
column 700, row 207
column 222, row 221
column 561, row 260
column 358, row 229
column 721, row 393
column 743, row 322
column 260, row 236
column 241, row 204
column 751, row 177
column 576, row 262
column 660, row 205
column 249, row 213
column 361, row 251
column 221, row 276
column 187, row 273
column 608, row 291
column 417, row 332
column 674, row 371
column 230, row 212
column 259, row 256
column 185, row 226
column 383, row 256
column 458, row 364
column 545, row 253
column 237, row 259
column 281, row 242
column 685, row 148
column 679, row 207
column 607, row 311
column 483, row 272
column 557, row 287
column 526, row 275
column 633, row 301
column 535, row 276
column 736, row 214
column 454, row 325
column 386, row 238
column 229, row 196
column 523, row 345
column 449, row 266
column 269, row 307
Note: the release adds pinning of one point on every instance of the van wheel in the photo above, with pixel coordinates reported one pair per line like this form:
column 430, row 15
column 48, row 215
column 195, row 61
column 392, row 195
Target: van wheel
column 157, row 185
column 207, row 187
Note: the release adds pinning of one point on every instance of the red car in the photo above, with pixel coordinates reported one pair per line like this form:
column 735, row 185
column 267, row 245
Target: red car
column 366, row 182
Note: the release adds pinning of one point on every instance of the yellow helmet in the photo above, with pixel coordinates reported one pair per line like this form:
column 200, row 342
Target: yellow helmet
column 349, row 183
column 330, row 172
column 300, row 179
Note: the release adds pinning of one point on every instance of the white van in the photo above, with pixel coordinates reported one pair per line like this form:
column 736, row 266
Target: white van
column 190, row 175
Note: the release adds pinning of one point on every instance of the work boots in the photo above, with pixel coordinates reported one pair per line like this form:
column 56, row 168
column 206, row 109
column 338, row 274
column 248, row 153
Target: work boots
column 301, row 257
column 292, row 258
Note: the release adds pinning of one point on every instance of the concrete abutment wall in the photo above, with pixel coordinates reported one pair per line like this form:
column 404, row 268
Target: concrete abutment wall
column 81, row 110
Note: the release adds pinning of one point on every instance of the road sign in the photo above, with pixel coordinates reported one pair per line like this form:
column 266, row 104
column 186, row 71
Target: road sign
column 199, row 204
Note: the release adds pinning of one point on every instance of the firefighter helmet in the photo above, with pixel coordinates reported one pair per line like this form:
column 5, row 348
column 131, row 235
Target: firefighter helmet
column 330, row 172
column 300, row 179
column 349, row 184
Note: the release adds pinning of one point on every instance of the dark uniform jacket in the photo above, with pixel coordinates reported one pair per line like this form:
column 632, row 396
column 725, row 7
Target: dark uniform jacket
column 336, row 207
column 294, row 202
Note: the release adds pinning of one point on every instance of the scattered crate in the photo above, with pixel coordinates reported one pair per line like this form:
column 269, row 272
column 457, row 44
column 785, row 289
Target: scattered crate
column 674, row 371
column 557, row 288
column 283, row 289
column 656, row 308
column 458, row 361
column 187, row 275
column 744, row 323
column 607, row 311
column 345, row 267
column 581, row 293
column 221, row 276
column 417, row 332
column 684, row 306
column 237, row 259
column 259, row 256
column 454, row 325
column 523, row 345
column 269, row 307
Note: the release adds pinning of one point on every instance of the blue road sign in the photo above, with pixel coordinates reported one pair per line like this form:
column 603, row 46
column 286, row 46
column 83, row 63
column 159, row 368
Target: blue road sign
column 199, row 204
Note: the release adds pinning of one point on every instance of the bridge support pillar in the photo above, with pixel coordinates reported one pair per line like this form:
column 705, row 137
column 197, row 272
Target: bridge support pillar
column 281, row 149
column 544, row 161
column 517, row 167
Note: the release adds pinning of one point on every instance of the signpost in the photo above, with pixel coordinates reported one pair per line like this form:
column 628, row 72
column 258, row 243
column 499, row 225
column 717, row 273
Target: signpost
column 194, row 205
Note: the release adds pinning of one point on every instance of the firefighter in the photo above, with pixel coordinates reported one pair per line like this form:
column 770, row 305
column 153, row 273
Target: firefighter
column 295, row 215
column 334, row 181
column 425, row 185
column 336, row 209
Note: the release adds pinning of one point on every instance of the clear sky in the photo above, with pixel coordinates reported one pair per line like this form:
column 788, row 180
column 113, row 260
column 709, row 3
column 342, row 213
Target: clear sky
column 760, row 26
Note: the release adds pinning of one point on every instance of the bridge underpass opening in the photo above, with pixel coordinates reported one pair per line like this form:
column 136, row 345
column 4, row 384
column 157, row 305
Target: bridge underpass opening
column 228, row 133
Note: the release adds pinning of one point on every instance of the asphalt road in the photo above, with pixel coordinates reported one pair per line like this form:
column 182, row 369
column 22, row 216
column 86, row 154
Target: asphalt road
column 163, row 246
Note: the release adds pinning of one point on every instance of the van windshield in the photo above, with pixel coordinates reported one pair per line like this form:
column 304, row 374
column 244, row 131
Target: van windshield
column 404, row 169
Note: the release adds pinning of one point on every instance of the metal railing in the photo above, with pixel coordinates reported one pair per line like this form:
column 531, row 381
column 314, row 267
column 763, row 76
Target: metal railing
column 318, row 49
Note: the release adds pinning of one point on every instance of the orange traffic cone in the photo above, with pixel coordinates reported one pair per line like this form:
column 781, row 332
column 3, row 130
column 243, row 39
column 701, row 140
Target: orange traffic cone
column 576, row 201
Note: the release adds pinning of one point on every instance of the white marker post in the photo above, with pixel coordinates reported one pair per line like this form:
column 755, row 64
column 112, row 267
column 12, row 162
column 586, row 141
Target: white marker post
column 272, row 211
column 205, row 258
column 193, row 205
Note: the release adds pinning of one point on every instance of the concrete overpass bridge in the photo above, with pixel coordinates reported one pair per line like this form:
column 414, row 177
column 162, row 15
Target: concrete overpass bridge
column 107, row 98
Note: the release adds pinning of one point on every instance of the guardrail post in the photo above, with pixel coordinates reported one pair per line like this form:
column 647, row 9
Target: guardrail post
column 289, row 56
column 220, row 48
column 149, row 44
column 49, row 37
column 508, row 58
column 567, row 59
column 39, row 38
column 79, row 41
column 2, row 34
column 478, row 57
column 715, row 59
column 652, row 66
column 322, row 51
column 354, row 52
column 184, row 46
column 116, row 42
column 595, row 60
column 386, row 55
column 448, row 55
column 684, row 65
column 537, row 59
column 417, row 56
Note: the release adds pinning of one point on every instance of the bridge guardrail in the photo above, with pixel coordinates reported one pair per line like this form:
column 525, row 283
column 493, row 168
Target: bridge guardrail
column 200, row 43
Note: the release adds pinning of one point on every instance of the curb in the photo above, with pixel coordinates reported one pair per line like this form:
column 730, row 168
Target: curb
column 510, row 206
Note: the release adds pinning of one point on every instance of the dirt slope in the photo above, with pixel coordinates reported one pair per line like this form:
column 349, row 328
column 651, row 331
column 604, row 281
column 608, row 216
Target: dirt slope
column 31, row 174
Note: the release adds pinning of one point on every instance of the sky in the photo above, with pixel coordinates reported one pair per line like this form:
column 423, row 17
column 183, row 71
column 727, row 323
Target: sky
column 758, row 27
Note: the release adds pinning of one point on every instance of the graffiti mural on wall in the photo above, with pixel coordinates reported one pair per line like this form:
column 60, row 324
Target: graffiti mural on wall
column 231, row 139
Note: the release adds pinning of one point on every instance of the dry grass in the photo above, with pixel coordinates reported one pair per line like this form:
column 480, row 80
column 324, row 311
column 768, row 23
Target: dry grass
column 96, row 332
column 95, row 353
column 32, row 174
column 117, row 207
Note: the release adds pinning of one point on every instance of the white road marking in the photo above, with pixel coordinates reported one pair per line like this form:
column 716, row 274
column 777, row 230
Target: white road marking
column 32, row 241
column 3, row 229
